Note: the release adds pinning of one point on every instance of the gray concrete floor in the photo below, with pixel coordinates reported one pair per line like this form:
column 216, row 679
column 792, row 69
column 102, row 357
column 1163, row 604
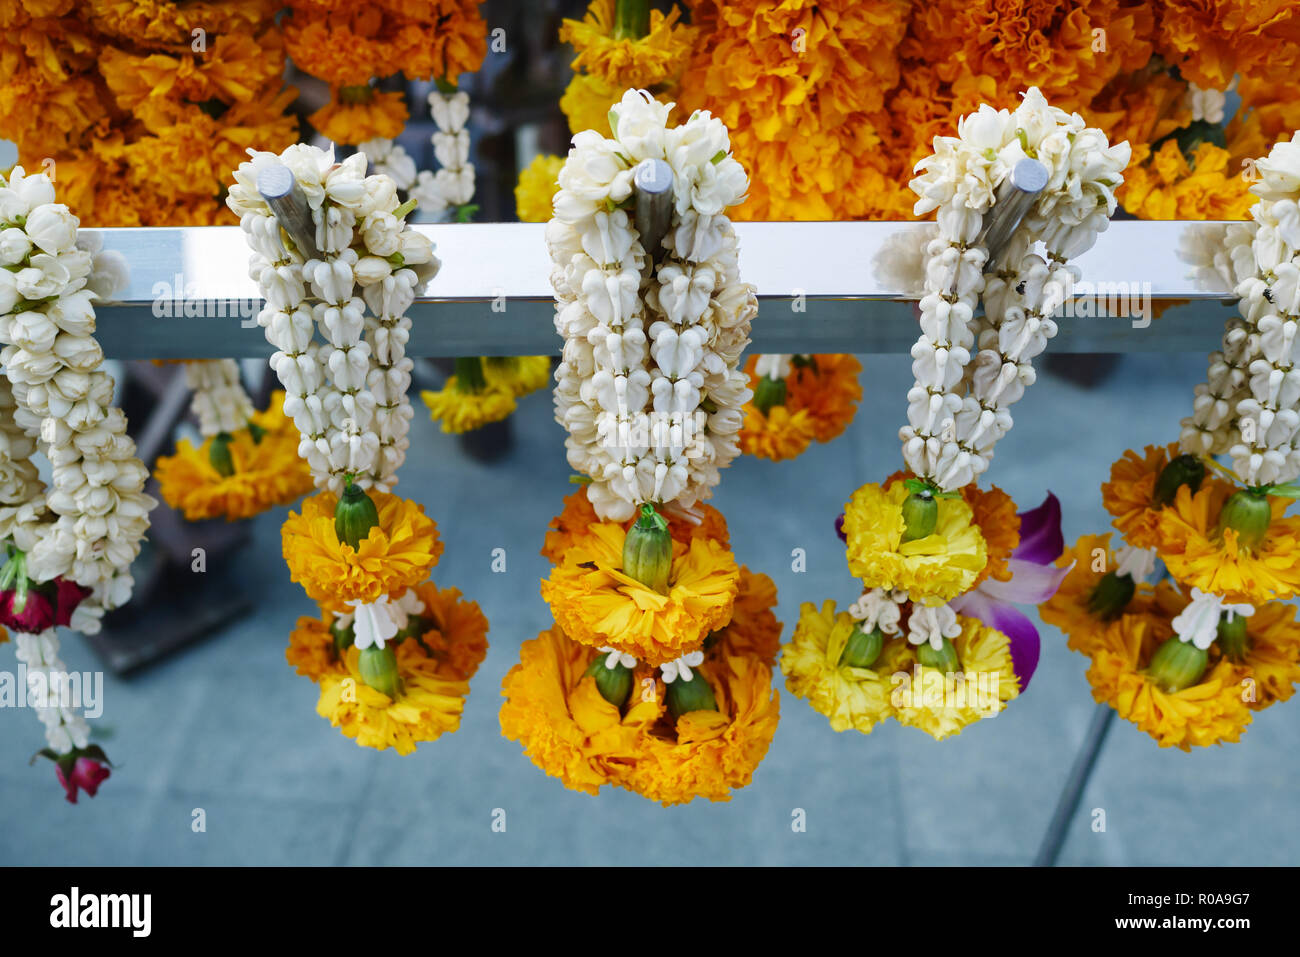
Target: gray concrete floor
column 227, row 726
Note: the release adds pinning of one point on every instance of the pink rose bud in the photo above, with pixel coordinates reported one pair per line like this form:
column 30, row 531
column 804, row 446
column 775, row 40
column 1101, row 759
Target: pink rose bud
column 87, row 774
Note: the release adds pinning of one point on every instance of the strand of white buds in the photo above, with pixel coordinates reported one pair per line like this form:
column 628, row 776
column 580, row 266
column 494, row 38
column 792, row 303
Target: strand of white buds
column 1267, row 426
column 1212, row 427
column 453, row 185
column 89, row 525
column 219, row 399
column 347, row 394
column 1137, row 563
column 773, row 366
column 649, row 385
column 1198, row 623
column 390, row 159
column 879, row 608
column 681, row 667
column 22, row 493
column 50, row 695
column 958, row 409
column 931, row 625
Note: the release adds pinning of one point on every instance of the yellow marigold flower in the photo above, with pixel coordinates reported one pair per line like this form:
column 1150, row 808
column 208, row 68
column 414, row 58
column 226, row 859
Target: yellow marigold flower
column 944, row 704
column 1200, row 557
column 1207, row 713
column 1127, row 496
column 1169, row 186
column 559, row 716
column 624, row 61
column 396, row 555
column 596, row 604
column 428, row 706
column 754, row 630
column 267, row 472
column 712, row 752
column 931, row 569
column 586, row 103
column 351, row 118
column 538, row 184
column 700, row 521
column 463, row 411
column 857, row 698
column 779, row 435
column 1270, row 663
column 518, row 375
column 1068, row 610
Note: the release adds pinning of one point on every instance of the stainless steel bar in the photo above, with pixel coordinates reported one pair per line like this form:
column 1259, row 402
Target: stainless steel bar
column 282, row 193
column 653, row 183
column 1016, row 194
column 822, row 287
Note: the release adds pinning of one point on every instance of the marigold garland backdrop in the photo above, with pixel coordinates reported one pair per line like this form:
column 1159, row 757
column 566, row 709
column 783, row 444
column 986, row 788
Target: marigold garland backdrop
column 660, row 638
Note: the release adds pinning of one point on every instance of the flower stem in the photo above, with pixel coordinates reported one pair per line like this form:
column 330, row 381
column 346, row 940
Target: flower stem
column 631, row 19
column 469, row 374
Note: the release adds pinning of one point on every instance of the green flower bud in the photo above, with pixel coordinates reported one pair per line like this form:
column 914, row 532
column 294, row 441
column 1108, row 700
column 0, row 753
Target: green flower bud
column 1247, row 511
column 343, row 638
column 1233, row 639
column 614, row 684
column 1177, row 664
column 1184, row 470
column 219, row 454
column 1111, row 596
column 256, row 433
column 648, row 550
column 354, row 516
column 920, row 515
column 863, row 648
column 769, row 392
column 687, row 696
column 944, row 660
column 378, row 668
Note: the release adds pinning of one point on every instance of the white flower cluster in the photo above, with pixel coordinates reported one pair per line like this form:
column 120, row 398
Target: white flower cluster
column 347, row 393
column 773, row 366
column 1198, row 623
column 649, row 385
column 390, row 159
column 374, row 623
column 931, row 625
column 1249, row 406
column 219, row 400
column 453, row 184
column 879, row 608
column 958, row 409
column 89, row 525
column 65, row 728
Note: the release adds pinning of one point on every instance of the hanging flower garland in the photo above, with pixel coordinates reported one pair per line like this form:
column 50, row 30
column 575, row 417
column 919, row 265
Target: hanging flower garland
column 360, row 552
column 935, row 640
column 657, row 674
column 69, row 548
column 1190, row 661
column 798, row 399
column 248, row 460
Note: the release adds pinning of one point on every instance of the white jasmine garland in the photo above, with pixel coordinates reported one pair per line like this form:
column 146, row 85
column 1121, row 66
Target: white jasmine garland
column 958, row 408
column 88, row 526
column 453, row 184
column 649, row 385
column 347, row 393
column 65, row 728
column 219, row 400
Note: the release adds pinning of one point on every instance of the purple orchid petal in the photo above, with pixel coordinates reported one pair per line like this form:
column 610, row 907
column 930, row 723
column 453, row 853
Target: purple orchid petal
column 1041, row 540
column 1030, row 584
column 1020, row 631
column 839, row 529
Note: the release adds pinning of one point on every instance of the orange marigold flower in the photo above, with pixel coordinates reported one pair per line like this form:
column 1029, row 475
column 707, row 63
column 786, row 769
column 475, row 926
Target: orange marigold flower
column 267, row 472
column 597, row 604
column 827, row 387
column 354, row 118
column 754, row 630
column 1170, row 186
column 1200, row 555
column 699, row 521
column 452, row 630
column 396, row 555
column 311, row 648
column 995, row 514
column 626, row 61
column 1270, row 663
column 1210, row 43
column 1209, row 712
column 1127, row 496
column 778, row 435
column 1068, row 608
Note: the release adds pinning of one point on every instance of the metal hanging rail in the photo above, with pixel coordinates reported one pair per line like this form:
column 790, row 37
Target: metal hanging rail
column 822, row 287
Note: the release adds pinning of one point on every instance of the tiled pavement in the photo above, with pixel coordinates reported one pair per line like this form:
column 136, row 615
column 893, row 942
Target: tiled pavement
column 228, row 727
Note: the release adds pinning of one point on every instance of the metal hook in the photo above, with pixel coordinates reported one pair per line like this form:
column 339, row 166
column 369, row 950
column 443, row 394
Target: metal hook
column 652, row 182
column 282, row 193
column 1015, row 196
